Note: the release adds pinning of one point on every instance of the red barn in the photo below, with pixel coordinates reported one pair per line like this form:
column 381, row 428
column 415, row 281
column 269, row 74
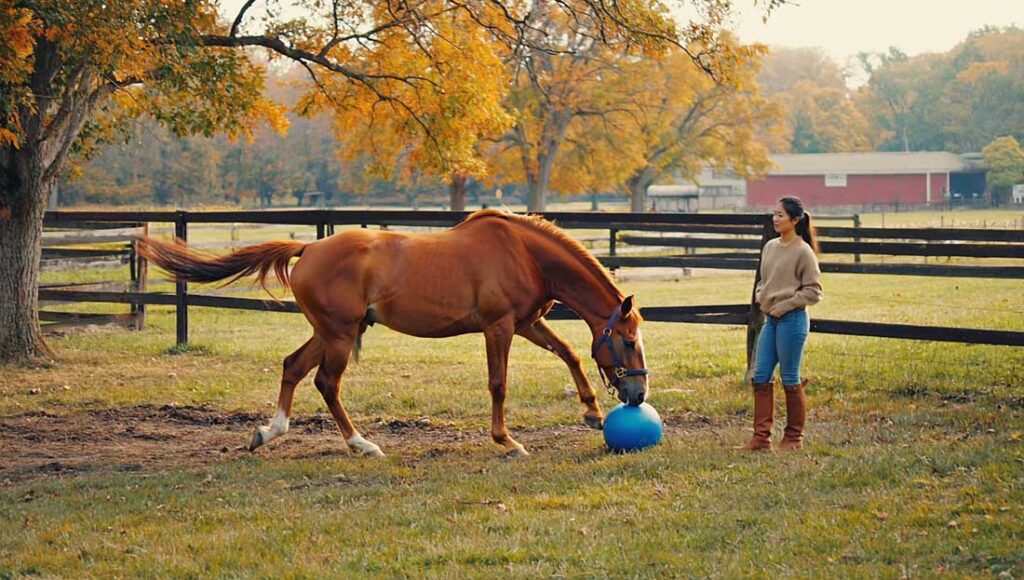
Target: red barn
column 866, row 179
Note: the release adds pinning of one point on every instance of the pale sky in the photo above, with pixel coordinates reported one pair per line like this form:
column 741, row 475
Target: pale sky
column 846, row 27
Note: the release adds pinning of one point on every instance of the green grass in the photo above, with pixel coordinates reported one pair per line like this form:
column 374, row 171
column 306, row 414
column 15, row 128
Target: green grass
column 955, row 218
column 913, row 467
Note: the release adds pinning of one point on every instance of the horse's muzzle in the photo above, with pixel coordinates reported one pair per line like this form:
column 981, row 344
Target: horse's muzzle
column 633, row 393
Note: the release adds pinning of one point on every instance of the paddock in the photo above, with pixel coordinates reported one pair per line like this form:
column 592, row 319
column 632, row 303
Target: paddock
column 128, row 454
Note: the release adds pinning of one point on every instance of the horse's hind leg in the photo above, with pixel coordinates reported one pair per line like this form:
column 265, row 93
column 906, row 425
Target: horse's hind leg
column 541, row 334
column 328, row 379
column 498, row 339
column 296, row 366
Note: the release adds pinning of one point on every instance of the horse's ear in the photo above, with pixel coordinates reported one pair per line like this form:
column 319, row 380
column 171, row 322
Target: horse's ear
column 627, row 307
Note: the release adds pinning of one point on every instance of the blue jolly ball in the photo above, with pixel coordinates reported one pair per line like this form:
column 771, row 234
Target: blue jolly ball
column 632, row 428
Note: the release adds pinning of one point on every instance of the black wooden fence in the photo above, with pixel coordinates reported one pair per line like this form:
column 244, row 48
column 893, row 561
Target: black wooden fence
column 108, row 243
column 743, row 233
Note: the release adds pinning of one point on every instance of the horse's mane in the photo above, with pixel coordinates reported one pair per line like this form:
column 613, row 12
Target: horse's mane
column 549, row 228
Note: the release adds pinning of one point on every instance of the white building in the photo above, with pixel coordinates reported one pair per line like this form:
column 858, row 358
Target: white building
column 709, row 191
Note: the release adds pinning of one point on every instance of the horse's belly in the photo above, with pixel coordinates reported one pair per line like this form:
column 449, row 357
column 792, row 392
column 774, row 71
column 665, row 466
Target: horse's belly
column 426, row 320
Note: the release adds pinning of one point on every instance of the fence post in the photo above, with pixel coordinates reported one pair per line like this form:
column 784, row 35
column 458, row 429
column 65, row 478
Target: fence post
column 613, row 234
column 755, row 320
column 857, row 239
column 181, row 287
column 140, row 284
column 133, row 258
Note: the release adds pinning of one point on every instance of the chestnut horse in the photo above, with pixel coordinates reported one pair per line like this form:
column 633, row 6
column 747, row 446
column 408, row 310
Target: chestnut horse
column 496, row 272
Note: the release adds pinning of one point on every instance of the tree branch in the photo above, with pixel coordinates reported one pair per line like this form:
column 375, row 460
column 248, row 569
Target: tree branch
column 238, row 19
column 73, row 127
column 299, row 55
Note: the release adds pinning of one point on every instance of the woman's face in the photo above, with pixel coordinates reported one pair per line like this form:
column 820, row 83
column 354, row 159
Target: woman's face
column 781, row 220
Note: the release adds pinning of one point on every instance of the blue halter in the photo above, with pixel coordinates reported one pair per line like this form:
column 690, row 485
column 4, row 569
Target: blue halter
column 620, row 369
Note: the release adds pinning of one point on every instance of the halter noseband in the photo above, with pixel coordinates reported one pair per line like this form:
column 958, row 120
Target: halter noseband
column 620, row 369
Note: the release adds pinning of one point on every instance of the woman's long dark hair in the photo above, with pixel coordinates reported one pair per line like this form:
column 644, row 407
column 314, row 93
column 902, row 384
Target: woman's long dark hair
column 795, row 210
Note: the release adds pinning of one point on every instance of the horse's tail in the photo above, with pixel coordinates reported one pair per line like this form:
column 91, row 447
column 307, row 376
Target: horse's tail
column 189, row 265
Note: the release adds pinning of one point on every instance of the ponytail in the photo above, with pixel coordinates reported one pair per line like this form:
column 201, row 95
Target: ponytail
column 795, row 210
column 806, row 230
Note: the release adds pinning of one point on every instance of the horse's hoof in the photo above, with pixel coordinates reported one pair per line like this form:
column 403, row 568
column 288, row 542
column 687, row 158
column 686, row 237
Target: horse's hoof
column 256, row 441
column 517, row 452
column 363, row 447
column 594, row 422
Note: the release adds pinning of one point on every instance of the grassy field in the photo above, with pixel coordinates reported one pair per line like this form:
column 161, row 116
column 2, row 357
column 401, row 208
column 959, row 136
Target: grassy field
column 124, row 459
column 957, row 218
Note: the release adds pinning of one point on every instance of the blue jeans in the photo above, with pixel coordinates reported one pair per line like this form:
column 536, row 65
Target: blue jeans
column 781, row 343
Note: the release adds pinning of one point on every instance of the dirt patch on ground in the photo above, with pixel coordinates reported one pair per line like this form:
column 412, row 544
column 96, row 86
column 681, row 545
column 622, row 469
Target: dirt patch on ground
column 148, row 438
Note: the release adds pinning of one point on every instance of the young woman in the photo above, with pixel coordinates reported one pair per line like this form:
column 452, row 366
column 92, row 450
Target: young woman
column 790, row 281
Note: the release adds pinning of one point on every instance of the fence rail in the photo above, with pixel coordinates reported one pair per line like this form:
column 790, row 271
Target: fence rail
column 113, row 243
column 1005, row 244
column 743, row 262
column 968, row 250
column 731, row 314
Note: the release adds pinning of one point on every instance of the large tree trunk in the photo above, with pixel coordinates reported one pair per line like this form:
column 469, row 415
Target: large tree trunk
column 535, row 191
column 537, row 197
column 637, row 197
column 539, row 188
column 638, row 185
column 555, row 131
column 547, row 153
column 457, row 191
column 23, row 198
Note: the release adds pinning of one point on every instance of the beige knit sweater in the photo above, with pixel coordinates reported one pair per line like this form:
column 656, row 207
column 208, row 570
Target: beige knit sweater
column 790, row 277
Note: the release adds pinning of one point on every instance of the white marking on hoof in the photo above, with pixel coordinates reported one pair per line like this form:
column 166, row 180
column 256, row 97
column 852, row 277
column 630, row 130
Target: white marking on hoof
column 263, row 435
column 364, row 447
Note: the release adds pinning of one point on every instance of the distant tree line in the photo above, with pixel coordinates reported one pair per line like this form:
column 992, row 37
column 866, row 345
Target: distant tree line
column 958, row 101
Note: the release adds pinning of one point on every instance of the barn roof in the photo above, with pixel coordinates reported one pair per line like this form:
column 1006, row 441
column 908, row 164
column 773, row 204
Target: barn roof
column 875, row 163
column 686, row 190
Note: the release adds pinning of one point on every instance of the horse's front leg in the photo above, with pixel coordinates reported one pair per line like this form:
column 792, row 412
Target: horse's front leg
column 498, row 338
column 296, row 366
column 541, row 334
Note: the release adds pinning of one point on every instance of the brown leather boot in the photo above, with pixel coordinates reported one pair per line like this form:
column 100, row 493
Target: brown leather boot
column 796, row 416
column 764, row 411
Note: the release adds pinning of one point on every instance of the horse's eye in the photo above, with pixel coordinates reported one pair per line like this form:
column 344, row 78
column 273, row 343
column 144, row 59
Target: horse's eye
column 630, row 344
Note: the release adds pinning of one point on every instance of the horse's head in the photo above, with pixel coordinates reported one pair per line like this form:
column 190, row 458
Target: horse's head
column 618, row 348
